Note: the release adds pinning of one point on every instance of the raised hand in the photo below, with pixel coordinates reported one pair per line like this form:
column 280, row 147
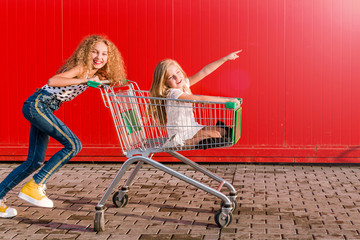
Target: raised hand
column 233, row 55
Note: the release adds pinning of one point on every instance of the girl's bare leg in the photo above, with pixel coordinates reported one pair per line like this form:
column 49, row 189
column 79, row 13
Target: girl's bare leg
column 206, row 132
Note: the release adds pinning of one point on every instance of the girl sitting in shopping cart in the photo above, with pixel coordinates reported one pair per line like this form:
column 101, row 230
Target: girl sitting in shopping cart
column 170, row 81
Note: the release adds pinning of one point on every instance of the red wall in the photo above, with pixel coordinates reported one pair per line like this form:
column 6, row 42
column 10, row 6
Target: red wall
column 298, row 74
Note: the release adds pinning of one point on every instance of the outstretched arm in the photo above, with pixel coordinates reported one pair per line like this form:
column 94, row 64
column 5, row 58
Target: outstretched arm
column 186, row 96
column 212, row 67
column 69, row 78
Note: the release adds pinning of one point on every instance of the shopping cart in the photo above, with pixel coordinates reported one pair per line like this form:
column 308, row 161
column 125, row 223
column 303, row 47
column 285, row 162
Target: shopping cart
column 141, row 135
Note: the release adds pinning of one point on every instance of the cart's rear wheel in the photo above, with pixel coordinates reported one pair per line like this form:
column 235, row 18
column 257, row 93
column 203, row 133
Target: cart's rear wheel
column 120, row 203
column 221, row 220
column 99, row 221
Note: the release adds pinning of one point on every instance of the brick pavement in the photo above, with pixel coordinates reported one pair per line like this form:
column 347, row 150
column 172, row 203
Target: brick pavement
column 276, row 202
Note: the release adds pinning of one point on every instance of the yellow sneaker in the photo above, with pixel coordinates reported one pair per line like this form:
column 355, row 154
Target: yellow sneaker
column 5, row 211
column 35, row 194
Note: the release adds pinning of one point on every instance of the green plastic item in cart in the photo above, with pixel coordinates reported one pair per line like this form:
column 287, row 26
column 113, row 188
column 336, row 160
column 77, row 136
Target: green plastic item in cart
column 236, row 133
column 131, row 121
column 237, row 125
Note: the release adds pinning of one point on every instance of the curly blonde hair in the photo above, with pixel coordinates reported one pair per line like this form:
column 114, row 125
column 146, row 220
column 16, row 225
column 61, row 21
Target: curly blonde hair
column 159, row 89
column 114, row 69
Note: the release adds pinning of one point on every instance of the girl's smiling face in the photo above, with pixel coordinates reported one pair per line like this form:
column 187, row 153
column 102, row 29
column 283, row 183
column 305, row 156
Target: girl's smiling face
column 99, row 55
column 174, row 77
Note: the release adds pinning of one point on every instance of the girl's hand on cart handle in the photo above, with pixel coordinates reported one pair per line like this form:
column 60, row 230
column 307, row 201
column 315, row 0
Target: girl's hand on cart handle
column 94, row 79
column 233, row 55
column 235, row 100
column 98, row 84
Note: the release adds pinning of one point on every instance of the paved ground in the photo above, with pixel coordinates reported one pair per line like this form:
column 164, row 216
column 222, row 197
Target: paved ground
column 275, row 202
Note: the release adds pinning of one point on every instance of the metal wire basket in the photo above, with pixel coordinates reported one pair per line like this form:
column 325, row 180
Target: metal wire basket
column 141, row 135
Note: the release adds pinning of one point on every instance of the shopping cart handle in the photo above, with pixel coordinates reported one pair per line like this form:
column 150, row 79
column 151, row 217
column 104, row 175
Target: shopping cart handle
column 232, row 105
column 97, row 84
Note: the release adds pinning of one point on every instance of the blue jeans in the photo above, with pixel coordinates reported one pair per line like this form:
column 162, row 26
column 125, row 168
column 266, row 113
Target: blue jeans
column 39, row 109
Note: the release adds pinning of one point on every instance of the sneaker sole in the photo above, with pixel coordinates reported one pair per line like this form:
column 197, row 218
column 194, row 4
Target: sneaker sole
column 34, row 202
column 1, row 216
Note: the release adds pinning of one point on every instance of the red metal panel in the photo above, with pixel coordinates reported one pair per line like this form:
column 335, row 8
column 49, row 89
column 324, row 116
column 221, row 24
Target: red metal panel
column 322, row 63
column 298, row 73
column 354, row 57
column 5, row 12
column 31, row 40
column 207, row 30
column 88, row 117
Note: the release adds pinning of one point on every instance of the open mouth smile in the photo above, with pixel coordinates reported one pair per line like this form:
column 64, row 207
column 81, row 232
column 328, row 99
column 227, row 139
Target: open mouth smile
column 97, row 62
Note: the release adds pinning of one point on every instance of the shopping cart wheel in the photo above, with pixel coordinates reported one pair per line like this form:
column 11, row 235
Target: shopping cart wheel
column 222, row 220
column 99, row 222
column 120, row 203
column 233, row 205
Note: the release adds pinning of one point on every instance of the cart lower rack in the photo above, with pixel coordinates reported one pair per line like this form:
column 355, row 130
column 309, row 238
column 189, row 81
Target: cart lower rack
column 141, row 135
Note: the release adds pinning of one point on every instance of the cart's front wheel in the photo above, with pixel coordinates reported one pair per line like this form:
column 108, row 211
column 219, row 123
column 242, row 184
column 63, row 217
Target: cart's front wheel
column 122, row 202
column 99, row 221
column 222, row 220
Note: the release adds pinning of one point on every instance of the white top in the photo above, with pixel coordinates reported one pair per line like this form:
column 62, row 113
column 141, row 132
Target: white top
column 180, row 117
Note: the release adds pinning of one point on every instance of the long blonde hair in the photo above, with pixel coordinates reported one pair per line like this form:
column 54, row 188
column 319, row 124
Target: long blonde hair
column 114, row 69
column 159, row 89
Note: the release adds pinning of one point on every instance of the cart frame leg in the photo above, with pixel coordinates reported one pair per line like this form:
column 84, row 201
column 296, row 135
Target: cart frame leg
column 133, row 174
column 125, row 188
column 126, row 165
column 205, row 172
